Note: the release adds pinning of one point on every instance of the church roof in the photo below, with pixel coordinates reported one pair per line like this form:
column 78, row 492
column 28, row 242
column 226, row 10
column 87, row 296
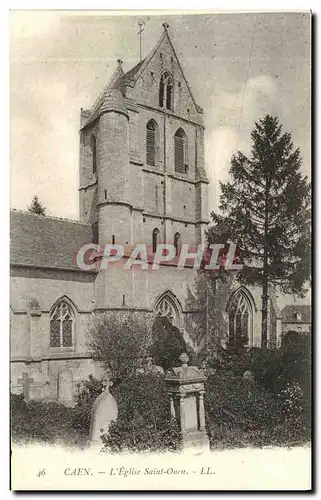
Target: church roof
column 49, row 242
column 293, row 314
column 129, row 76
column 119, row 80
column 97, row 107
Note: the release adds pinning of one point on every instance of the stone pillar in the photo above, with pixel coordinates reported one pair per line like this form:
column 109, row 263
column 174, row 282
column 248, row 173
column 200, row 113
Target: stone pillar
column 181, row 412
column 173, row 415
column 201, row 410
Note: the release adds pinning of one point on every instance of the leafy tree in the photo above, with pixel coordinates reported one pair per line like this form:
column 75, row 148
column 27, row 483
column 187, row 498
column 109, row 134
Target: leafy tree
column 36, row 206
column 266, row 211
column 118, row 341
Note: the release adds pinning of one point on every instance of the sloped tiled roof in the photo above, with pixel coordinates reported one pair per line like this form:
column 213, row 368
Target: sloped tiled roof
column 95, row 110
column 128, row 77
column 118, row 81
column 50, row 242
column 289, row 314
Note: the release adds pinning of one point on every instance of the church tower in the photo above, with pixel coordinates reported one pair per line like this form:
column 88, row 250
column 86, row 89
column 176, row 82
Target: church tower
column 142, row 155
column 142, row 176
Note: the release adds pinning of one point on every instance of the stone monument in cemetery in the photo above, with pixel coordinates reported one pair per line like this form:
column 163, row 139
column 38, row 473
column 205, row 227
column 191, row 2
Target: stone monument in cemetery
column 104, row 411
column 186, row 390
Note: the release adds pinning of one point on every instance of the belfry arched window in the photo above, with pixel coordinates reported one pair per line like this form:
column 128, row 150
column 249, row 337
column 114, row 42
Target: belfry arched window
column 166, row 91
column 62, row 325
column 240, row 315
column 155, row 239
column 180, row 147
column 94, row 153
column 151, row 142
column 177, row 242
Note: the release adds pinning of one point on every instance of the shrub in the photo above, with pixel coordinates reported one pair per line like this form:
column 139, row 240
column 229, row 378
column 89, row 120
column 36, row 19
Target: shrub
column 272, row 368
column 294, row 413
column 296, row 362
column 237, row 409
column 144, row 422
column 118, row 341
column 242, row 413
column 44, row 422
column 82, row 412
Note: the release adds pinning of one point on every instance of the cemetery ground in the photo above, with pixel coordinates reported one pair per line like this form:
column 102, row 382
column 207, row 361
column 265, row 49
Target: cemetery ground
column 271, row 407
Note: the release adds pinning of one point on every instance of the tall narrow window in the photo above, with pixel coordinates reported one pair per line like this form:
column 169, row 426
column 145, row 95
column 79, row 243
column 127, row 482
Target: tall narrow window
column 177, row 242
column 94, row 153
column 95, row 232
column 151, row 143
column 169, row 91
column 167, row 306
column 161, row 93
column 180, row 146
column 156, row 198
column 61, row 325
column 155, row 239
column 166, row 91
column 240, row 321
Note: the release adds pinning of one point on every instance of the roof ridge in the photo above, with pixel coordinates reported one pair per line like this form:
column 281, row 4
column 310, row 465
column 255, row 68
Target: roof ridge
column 27, row 212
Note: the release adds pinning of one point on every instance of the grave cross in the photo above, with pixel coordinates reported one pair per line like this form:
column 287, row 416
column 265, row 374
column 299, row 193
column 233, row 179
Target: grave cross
column 25, row 380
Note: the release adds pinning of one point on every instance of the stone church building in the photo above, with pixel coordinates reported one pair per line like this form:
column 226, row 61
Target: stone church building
column 142, row 180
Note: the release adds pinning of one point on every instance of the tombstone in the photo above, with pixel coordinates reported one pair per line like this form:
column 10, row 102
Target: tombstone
column 65, row 388
column 104, row 411
column 186, row 390
column 25, row 381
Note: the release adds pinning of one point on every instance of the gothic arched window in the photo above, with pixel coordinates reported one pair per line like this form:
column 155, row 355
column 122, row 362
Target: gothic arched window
column 240, row 316
column 167, row 306
column 180, row 146
column 62, row 325
column 151, row 142
column 177, row 242
column 155, row 238
column 166, row 91
column 94, row 153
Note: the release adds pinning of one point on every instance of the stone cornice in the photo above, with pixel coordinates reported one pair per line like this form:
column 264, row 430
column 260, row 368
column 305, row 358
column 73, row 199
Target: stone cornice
column 176, row 219
column 49, row 357
column 54, row 268
column 171, row 114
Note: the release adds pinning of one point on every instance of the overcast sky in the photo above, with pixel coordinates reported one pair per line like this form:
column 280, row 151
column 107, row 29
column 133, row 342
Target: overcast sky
column 61, row 61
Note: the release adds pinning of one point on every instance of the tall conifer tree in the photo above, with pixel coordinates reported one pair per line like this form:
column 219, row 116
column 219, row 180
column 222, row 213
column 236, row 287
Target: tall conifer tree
column 265, row 209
